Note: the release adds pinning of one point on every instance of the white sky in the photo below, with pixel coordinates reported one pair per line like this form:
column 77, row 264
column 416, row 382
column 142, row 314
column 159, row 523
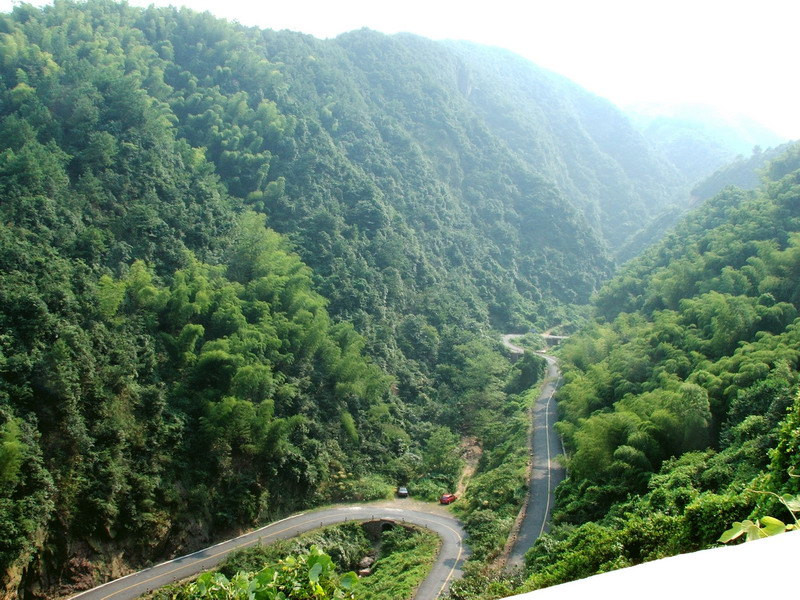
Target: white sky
column 738, row 56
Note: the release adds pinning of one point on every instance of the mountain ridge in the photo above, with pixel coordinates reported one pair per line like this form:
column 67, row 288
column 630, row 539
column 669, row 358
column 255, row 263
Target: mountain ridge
column 171, row 364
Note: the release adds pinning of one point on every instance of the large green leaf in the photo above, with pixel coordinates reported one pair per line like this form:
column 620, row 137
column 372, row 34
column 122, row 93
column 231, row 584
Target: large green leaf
column 731, row 534
column 314, row 572
column 348, row 580
column 791, row 502
column 764, row 527
column 771, row 526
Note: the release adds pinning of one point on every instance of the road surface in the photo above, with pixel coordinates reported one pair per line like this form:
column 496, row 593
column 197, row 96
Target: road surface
column 508, row 343
column 448, row 564
column 546, row 474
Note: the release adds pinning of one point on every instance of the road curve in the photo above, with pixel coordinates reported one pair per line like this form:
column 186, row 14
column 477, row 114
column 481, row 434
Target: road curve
column 546, row 472
column 448, row 564
column 511, row 345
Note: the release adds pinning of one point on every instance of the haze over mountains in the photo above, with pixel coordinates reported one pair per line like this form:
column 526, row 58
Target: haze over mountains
column 698, row 140
column 247, row 271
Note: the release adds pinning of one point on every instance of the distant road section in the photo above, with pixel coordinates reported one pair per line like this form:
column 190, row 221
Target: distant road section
column 547, row 473
column 509, row 343
column 448, row 564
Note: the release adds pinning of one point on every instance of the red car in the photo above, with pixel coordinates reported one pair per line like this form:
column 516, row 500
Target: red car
column 448, row 498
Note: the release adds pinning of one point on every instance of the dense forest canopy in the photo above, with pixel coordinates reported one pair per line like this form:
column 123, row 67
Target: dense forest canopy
column 248, row 271
column 171, row 366
column 680, row 407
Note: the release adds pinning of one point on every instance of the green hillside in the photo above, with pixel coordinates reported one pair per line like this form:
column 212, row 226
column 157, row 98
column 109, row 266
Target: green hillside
column 698, row 141
column 744, row 173
column 679, row 407
column 245, row 272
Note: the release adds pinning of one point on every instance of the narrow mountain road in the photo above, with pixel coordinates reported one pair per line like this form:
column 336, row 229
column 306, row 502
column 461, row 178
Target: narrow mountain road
column 546, row 474
column 448, row 565
column 511, row 345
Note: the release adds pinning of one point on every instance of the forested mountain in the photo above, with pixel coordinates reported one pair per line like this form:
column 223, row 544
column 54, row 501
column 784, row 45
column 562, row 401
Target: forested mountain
column 580, row 141
column 502, row 203
column 247, row 271
column 744, row 173
column 680, row 407
column 172, row 368
column 167, row 365
column 698, row 141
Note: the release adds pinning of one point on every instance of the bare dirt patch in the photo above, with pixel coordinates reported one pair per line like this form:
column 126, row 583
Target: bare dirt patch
column 471, row 453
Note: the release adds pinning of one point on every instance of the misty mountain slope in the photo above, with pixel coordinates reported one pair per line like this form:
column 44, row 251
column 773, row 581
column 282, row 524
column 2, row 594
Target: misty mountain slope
column 465, row 98
column 579, row 140
column 171, row 368
column 357, row 167
column 744, row 173
column 698, row 141
column 447, row 180
column 406, row 112
column 680, row 406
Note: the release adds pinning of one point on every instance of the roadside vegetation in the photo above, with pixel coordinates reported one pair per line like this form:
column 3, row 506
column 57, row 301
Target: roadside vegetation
column 530, row 342
column 405, row 558
column 494, row 496
column 399, row 558
column 244, row 272
column 308, row 576
column 346, row 544
column 680, row 406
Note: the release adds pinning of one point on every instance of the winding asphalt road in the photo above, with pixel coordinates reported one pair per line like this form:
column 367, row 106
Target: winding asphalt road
column 547, row 473
column 448, row 564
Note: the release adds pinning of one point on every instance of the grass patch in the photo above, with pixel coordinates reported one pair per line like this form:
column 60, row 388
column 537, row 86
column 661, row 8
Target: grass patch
column 530, row 342
column 406, row 557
